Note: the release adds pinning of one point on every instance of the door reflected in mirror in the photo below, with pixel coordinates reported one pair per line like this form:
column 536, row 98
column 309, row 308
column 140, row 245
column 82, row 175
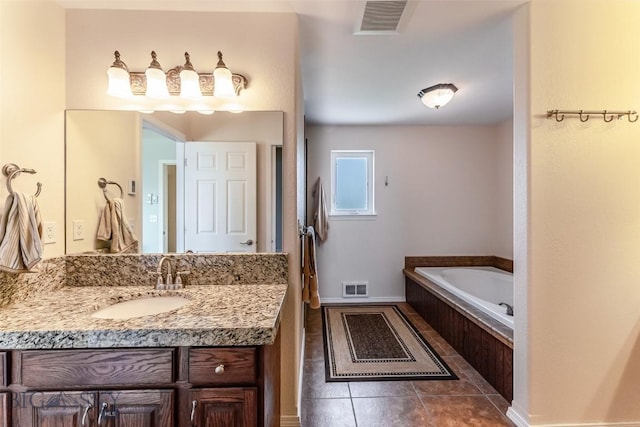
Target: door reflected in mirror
column 177, row 198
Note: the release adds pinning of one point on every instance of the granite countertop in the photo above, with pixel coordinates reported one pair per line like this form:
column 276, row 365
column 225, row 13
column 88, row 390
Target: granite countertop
column 217, row 315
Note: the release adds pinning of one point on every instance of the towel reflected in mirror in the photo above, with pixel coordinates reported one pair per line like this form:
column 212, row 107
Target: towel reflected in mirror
column 113, row 227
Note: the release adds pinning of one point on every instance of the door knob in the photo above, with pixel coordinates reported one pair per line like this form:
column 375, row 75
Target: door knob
column 249, row 242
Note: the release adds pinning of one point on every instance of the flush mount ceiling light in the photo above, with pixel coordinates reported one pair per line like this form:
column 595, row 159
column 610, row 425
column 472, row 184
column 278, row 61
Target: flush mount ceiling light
column 180, row 82
column 437, row 96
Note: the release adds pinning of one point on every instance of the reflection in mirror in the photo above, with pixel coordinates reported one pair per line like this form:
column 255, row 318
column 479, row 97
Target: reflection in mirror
column 159, row 197
column 146, row 155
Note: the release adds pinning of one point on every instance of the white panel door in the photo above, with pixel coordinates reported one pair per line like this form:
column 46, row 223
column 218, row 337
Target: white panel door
column 220, row 196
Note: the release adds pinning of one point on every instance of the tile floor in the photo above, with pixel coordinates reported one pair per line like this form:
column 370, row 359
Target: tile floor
column 469, row 401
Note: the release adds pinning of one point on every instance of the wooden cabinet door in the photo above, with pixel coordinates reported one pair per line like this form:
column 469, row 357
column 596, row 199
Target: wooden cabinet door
column 136, row 408
column 224, row 407
column 54, row 409
column 4, row 409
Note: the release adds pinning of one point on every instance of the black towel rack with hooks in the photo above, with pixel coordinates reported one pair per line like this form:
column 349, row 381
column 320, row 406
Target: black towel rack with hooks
column 11, row 170
column 103, row 182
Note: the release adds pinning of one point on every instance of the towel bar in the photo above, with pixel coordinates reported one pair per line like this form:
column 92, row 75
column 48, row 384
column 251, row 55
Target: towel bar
column 102, row 183
column 305, row 230
column 11, row 170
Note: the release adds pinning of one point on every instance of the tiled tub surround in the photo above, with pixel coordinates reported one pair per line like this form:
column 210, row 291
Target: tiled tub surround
column 483, row 341
column 235, row 299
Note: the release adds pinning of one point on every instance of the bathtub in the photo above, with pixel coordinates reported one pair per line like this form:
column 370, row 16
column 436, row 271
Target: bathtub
column 482, row 287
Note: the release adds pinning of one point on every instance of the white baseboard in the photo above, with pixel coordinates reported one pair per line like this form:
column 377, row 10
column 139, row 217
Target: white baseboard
column 602, row 424
column 301, row 371
column 371, row 300
column 516, row 416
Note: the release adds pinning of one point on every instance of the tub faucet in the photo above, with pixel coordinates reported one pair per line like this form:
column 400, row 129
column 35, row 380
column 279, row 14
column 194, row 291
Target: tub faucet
column 509, row 308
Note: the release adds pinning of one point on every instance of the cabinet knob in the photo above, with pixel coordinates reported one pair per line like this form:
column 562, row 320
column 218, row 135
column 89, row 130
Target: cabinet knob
column 220, row 369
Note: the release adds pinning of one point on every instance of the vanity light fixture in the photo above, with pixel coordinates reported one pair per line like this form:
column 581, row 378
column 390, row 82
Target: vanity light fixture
column 180, row 82
column 437, row 96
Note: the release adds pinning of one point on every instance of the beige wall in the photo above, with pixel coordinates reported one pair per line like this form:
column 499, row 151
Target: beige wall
column 32, row 96
column 519, row 409
column 441, row 199
column 267, row 62
column 503, row 221
column 583, row 320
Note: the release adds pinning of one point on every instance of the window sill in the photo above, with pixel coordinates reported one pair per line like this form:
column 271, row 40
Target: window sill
column 352, row 217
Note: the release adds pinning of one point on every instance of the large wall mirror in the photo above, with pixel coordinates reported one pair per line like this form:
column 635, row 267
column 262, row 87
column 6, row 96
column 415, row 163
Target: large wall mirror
column 190, row 182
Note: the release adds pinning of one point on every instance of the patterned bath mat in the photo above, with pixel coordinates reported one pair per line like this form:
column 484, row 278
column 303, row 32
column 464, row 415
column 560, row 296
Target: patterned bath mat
column 377, row 343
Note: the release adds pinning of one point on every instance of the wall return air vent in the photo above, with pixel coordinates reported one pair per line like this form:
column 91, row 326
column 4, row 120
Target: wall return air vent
column 355, row 289
column 380, row 17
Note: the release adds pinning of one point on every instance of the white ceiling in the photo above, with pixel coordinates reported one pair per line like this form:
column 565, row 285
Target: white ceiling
column 374, row 79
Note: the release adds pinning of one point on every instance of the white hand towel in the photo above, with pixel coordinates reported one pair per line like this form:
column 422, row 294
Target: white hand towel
column 113, row 227
column 20, row 233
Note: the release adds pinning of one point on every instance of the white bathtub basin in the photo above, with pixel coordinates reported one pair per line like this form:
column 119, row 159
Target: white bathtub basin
column 482, row 287
column 140, row 307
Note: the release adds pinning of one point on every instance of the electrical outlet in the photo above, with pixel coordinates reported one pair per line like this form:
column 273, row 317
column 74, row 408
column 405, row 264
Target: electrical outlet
column 78, row 230
column 49, row 232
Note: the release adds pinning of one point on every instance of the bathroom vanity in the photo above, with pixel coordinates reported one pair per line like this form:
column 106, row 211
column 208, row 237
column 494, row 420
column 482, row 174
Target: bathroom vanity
column 213, row 362
column 160, row 387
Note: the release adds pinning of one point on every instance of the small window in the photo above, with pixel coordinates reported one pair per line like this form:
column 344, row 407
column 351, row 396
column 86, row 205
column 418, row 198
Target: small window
column 352, row 183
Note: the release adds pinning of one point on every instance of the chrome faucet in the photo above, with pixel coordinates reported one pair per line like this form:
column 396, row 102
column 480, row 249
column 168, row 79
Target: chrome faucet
column 168, row 282
column 509, row 308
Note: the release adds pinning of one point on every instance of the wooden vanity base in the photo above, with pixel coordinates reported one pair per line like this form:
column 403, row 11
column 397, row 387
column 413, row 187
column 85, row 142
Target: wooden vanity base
column 140, row 387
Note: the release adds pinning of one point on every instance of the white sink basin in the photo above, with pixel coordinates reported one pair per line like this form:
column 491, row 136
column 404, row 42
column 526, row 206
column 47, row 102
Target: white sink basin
column 140, row 307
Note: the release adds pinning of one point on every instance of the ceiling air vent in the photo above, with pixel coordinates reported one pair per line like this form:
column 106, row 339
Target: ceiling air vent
column 381, row 16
